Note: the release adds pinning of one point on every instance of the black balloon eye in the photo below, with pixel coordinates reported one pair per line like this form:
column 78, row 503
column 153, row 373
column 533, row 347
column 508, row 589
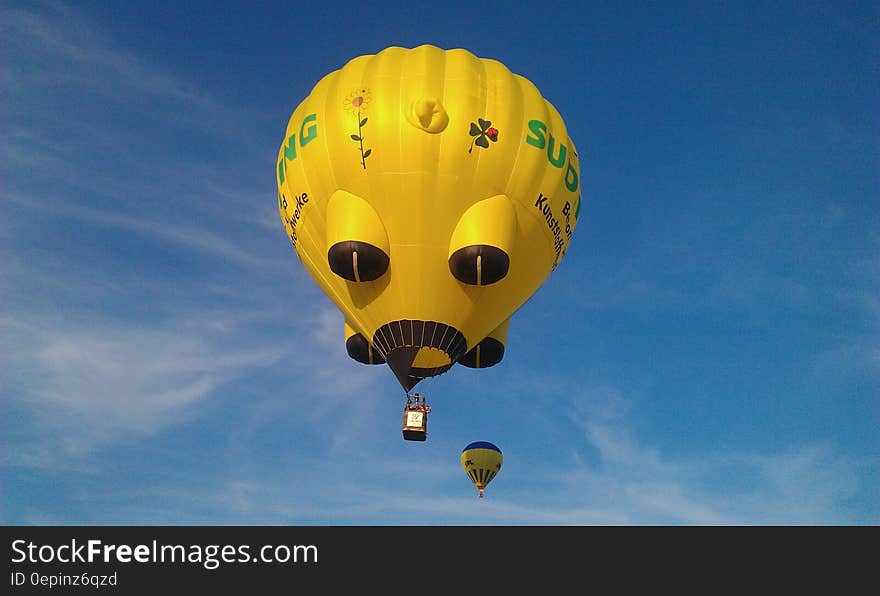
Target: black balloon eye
column 479, row 264
column 359, row 349
column 357, row 261
column 488, row 352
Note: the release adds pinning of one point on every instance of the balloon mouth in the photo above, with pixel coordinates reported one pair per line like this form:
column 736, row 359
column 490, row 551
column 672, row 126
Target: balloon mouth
column 416, row 350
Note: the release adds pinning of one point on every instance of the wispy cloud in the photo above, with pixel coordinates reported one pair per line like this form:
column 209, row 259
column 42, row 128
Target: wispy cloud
column 186, row 235
column 801, row 484
column 98, row 381
column 115, row 384
column 629, row 482
column 57, row 45
column 109, row 381
column 88, row 374
column 75, row 97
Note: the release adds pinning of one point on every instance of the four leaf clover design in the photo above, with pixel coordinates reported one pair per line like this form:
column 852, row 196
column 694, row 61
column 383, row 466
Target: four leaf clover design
column 483, row 132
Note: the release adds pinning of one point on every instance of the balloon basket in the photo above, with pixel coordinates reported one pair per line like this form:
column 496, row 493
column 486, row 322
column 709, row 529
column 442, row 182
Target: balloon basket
column 415, row 418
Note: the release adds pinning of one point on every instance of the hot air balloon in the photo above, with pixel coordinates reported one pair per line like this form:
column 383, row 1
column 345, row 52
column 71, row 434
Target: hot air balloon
column 481, row 462
column 429, row 193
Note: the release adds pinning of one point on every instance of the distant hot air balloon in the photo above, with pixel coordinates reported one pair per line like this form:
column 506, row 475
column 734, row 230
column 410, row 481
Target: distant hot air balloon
column 429, row 194
column 481, row 462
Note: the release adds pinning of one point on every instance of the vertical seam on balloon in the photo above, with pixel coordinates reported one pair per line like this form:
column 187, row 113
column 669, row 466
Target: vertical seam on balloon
column 516, row 84
column 442, row 69
column 484, row 86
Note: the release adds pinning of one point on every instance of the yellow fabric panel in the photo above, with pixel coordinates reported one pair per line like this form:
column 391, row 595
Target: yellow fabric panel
column 490, row 221
column 351, row 218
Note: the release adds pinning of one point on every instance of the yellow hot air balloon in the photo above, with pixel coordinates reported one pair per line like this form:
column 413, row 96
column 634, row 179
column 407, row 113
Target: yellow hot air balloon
column 429, row 193
column 481, row 462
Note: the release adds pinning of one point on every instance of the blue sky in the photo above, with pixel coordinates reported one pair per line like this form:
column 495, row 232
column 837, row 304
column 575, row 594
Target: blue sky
column 707, row 352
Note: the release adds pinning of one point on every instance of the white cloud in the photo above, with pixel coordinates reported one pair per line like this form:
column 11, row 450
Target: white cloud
column 612, row 476
column 57, row 45
column 630, row 482
column 802, row 484
column 109, row 381
column 190, row 235
column 101, row 381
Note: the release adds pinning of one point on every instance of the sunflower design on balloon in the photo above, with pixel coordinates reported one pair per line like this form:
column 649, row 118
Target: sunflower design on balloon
column 482, row 132
column 356, row 104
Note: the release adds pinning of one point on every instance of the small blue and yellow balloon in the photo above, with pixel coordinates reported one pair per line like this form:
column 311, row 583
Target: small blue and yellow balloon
column 481, row 461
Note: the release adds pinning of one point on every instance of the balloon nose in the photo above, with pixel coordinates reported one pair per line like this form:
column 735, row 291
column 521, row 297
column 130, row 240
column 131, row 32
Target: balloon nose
column 400, row 361
column 416, row 350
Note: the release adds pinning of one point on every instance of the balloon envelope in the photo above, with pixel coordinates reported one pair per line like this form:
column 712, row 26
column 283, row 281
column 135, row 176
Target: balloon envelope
column 481, row 461
column 428, row 193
